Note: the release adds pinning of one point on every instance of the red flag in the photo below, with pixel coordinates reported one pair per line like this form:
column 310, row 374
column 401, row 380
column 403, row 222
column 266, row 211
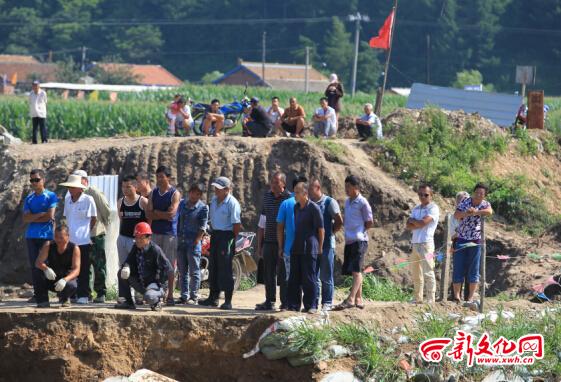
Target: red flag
column 382, row 41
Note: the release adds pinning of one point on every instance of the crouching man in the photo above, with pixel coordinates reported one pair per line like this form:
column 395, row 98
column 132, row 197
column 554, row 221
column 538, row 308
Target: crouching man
column 146, row 269
column 60, row 262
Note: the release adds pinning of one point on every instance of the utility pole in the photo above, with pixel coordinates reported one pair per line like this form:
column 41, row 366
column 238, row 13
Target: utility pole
column 83, row 66
column 306, row 74
column 357, row 19
column 428, row 58
column 263, row 56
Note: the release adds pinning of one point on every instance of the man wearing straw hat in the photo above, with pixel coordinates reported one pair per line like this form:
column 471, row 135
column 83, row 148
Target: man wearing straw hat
column 81, row 216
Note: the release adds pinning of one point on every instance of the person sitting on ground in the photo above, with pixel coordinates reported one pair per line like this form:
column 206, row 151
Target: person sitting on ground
column 468, row 245
column 259, row 124
column 178, row 117
column 275, row 113
column 293, row 119
column 60, row 262
column 365, row 124
column 325, row 120
column 146, row 269
column 215, row 118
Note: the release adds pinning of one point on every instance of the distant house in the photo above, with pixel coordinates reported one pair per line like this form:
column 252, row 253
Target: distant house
column 19, row 69
column 148, row 75
column 277, row 76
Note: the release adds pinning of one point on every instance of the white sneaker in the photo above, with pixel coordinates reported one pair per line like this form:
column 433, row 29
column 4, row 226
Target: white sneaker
column 82, row 301
column 326, row 307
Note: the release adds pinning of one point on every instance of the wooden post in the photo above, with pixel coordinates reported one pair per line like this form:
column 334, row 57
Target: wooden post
column 447, row 260
column 378, row 111
column 483, row 270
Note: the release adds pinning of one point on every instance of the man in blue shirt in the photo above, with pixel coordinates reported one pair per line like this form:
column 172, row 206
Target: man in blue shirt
column 193, row 217
column 39, row 213
column 225, row 221
column 306, row 249
column 285, row 226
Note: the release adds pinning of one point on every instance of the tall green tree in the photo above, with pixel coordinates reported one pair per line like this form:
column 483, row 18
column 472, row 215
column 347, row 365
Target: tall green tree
column 338, row 50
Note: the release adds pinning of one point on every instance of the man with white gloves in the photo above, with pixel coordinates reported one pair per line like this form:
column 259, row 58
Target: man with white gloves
column 60, row 262
column 146, row 269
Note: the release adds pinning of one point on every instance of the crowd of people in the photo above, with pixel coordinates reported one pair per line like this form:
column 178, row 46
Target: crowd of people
column 161, row 233
column 273, row 120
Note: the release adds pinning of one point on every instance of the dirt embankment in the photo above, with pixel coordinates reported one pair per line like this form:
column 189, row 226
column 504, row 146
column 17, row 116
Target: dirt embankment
column 249, row 163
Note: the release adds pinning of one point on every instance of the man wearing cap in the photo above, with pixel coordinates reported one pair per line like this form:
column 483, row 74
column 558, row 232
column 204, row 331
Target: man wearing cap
column 38, row 112
column 260, row 123
column 225, row 221
column 81, row 216
column 192, row 224
column 146, row 270
column 39, row 213
column 97, row 253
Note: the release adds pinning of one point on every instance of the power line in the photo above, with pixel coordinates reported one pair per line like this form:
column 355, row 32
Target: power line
column 299, row 20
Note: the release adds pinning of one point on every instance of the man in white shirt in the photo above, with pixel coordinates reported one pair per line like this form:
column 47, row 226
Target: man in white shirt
column 38, row 111
column 325, row 120
column 365, row 124
column 422, row 224
column 275, row 113
column 81, row 216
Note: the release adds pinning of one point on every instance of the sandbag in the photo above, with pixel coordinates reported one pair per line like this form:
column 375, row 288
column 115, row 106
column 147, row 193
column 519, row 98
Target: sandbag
column 278, row 340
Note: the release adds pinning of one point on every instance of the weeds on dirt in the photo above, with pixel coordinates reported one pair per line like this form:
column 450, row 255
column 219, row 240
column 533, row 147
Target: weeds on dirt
column 526, row 144
column 378, row 289
column 375, row 360
column 545, row 323
column 433, row 325
column 247, row 282
column 336, row 149
column 451, row 160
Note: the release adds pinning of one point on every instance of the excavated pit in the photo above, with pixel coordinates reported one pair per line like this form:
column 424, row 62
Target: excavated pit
column 92, row 345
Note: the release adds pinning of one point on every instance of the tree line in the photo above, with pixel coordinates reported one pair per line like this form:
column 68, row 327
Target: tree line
column 434, row 39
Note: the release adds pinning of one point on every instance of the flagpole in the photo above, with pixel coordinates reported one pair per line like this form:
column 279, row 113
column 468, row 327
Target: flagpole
column 378, row 112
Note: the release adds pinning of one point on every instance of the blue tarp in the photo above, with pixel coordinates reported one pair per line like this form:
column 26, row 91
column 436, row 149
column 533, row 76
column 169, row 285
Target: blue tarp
column 499, row 108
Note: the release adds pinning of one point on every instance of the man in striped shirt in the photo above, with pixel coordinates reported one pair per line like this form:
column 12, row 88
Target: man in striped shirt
column 267, row 244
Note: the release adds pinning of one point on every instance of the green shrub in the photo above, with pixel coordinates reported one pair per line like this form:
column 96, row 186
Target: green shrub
column 526, row 145
column 378, row 289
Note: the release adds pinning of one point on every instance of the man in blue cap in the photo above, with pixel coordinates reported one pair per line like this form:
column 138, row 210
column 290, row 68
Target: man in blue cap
column 225, row 221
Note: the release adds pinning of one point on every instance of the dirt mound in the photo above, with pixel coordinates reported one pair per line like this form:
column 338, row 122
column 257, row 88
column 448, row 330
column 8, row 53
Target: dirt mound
column 457, row 119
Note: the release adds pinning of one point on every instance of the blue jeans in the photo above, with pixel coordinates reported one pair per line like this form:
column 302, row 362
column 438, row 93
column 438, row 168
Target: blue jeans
column 466, row 263
column 189, row 266
column 325, row 275
column 33, row 248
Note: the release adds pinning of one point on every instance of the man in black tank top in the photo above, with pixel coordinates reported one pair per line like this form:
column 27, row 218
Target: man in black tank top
column 60, row 262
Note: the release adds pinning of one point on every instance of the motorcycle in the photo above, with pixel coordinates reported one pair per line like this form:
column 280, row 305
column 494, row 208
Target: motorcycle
column 243, row 263
column 232, row 114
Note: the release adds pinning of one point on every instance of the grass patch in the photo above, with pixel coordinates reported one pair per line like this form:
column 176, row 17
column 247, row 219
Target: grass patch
column 375, row 361
column 433, row 325
column 378, row 289
column 453, row 159
column 335, row 149
column 247, row 282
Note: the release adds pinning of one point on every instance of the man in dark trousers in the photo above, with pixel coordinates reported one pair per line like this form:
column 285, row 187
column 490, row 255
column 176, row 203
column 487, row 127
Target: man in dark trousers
column 60, row 262
column 267, row 244
column 225, row 221
column 260, row 123
column 162, row 211
column 146, row 269
column 306, row 249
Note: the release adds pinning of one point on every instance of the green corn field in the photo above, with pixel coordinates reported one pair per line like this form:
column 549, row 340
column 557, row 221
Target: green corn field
column 142, row 114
